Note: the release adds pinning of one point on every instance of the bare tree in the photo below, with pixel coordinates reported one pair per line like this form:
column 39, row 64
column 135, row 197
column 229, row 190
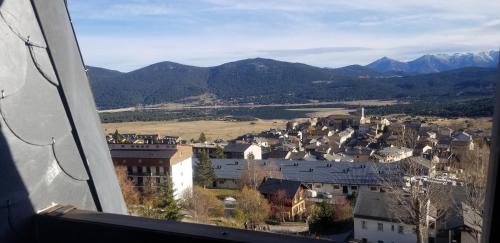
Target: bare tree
column 256, row 171
column 203, row 204
column 475, row 170
column 273, row 170
column 413, row 198
column 408, row 138
column 130, row 193
column 253, row 205
column 279, row 204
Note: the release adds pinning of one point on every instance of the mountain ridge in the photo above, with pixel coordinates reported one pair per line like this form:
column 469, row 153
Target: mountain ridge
column 433, row 63
column 261, row 80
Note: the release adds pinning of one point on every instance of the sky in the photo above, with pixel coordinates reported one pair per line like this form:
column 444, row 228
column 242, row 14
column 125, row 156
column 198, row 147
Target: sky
column 128, row 34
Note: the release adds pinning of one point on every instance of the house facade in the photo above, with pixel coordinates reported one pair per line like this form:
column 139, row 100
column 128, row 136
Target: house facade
column 242, row 151
column 392, row 154
column 337, row 178
column 285, row 196
column 156, row 162
column 206, row 148
column 374, row 222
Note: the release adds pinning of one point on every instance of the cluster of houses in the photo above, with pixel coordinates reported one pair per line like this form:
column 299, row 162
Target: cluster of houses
column 338, row 155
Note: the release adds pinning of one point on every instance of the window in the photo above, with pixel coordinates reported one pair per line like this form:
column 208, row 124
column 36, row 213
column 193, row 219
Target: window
column 161, row 170
column 363, row 224
column 392, row 227
column 432, row 225
column 380, row 227
column 354, row 187
column 401, row 229
column 373, row 188
column 380, row 241
column 336, row 187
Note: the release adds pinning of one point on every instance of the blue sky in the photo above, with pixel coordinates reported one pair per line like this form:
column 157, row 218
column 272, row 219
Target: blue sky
column 129, row 34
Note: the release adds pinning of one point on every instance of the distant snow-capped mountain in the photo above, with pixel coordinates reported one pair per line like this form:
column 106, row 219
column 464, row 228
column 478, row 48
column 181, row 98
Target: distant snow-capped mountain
column 436, row 63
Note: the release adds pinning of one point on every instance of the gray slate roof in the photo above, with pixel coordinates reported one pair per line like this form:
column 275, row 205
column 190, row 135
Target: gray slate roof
column 374, row 205
column 359, row 173
column 460, row 214
column 271, row 186
column 236, row 147
column 146, row 154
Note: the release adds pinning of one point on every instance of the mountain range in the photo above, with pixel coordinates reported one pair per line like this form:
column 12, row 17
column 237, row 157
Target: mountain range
column 436, row 63
column 267, row 81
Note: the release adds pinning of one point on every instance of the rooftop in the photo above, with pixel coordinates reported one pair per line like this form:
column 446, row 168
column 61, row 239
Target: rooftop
column 271, row 186
column 236, row 147
column 359, row 173
column 374, row 205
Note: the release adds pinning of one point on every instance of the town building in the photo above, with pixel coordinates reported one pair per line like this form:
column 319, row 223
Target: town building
column 461, row 142
column 293, row 193
column 374, row 221
column 363, row 119
column 337, row 178
column 207, row 148
column 461, row 222
column 155, row 162
column 242, row 151
column 358, row 153
column 345, row 135
column 392, row 154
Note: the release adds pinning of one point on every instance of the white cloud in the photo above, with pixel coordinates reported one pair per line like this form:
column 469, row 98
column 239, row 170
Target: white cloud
column 316, row 32
column 119, row 9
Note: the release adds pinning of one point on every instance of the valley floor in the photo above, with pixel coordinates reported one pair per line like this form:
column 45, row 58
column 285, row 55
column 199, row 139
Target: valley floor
column 231, row 129
column 192, row 129
column 181, row 106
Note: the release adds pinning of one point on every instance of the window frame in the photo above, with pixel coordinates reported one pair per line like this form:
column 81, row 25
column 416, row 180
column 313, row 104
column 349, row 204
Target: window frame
column 380, row 227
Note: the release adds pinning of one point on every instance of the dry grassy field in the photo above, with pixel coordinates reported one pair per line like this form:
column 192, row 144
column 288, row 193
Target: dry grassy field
column 484, row 123
column 462, row 123
column 202, row 105
column 192, row 129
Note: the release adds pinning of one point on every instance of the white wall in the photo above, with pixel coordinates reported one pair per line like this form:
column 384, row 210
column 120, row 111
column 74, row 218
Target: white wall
column 330, row 188
column 372, row 234
column 182, row 176
column 255, row 150
column 227, row 184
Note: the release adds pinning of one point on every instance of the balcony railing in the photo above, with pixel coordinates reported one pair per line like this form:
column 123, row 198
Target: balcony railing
column 68, row 224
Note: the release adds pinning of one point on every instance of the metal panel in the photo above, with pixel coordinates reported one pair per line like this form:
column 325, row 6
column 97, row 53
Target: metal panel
column 65, row 55
column 72, row 225
column 493, row 183
column 41, row 154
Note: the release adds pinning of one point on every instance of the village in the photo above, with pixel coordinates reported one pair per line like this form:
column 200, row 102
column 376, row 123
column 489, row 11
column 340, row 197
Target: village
column 347, row 178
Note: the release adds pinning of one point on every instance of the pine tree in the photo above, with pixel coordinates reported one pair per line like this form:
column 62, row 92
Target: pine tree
column 219, row 153
column 116, row 136
column 202, row 138
column 322, row 220
column 204, row 172
column 169, row 206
